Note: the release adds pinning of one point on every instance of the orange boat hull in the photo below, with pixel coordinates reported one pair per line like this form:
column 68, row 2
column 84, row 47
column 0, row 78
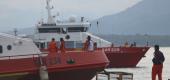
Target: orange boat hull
column 85, row 66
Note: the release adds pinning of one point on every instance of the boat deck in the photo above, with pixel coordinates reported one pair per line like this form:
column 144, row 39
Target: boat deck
column 60, row 62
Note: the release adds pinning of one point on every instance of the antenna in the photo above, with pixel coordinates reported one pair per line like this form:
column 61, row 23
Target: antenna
column 15, row 31
column 98, row 31
column 50, row 17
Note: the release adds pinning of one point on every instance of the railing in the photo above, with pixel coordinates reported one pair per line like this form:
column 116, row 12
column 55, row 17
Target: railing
column 44, row 58
column 15, row 56
column 33, row 56
column 114, row 75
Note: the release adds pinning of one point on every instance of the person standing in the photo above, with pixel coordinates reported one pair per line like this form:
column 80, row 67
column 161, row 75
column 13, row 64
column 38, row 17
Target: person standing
column 62, row 45
column 157, row 60
column 52, row 47
column 89, row 45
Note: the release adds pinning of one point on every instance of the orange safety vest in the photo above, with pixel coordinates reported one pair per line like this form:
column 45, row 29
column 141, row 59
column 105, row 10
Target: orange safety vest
column 52, row 48
column 62, row 47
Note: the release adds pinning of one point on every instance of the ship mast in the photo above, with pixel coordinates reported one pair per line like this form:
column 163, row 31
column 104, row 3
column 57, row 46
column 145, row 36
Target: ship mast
column 50, row 17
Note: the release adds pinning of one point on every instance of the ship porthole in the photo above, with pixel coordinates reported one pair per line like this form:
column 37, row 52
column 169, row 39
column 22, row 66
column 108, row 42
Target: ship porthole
column 67, row 37
column 9, row 47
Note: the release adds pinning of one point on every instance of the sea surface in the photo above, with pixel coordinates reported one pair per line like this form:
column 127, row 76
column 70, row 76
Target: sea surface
column 144, row 67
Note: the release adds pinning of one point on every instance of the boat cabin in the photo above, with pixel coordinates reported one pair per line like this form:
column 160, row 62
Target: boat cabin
column 73, row 31
column 74, row 35
column 12, row 46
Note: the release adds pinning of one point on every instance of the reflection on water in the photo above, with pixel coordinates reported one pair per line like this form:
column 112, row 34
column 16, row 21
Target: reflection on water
column 144, row 67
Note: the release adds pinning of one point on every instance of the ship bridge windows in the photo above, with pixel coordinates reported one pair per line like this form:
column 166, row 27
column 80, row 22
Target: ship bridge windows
column 48, row 24
column 73, row 44
column 40, row 45
column 62, row 30
column 77, row 29
column 1, row 49
column 49, row 30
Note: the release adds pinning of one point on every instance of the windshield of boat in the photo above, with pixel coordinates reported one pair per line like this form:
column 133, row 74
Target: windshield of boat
column 62, row 30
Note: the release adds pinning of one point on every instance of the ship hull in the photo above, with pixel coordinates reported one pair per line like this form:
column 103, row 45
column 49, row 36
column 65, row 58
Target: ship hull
column 125, row 56
column 85, row 74
column 85, row 67
column 122, row 56
column 79, row 74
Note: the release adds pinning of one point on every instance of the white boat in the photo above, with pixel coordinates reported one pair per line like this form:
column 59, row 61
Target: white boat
column 73, row 31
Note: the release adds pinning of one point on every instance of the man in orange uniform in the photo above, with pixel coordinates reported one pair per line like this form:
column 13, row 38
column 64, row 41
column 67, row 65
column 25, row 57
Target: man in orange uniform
column 62, row 45
column 52, row 47
column 157, row 60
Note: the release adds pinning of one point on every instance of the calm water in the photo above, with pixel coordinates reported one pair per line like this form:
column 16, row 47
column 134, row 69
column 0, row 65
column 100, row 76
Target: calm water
column 144, row 67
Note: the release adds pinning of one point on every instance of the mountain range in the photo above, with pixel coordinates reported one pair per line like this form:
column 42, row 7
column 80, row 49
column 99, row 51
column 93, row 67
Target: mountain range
column 146, row 17
column 150, row 17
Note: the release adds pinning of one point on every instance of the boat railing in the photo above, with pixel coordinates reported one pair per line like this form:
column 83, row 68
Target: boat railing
column 114, row 75
column 42, row 55
column 33, row 56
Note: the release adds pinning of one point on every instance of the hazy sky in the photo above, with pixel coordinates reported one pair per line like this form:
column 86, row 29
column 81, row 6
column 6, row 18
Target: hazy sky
column 26, row 13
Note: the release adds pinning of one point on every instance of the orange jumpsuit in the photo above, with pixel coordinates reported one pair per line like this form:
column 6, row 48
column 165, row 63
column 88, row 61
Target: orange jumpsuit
column 62, row 47
column 52, row 47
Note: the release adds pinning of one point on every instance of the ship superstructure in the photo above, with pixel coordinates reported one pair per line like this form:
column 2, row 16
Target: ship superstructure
column 73, row 31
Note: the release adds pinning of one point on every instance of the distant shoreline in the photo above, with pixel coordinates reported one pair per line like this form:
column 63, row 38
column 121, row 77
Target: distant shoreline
column 162, row 40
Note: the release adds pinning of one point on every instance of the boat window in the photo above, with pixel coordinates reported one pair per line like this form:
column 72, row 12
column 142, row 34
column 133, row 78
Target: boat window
column 9, row 47
column 79, row 45
column 1, row 49
column 37, row 44
column 49, row 30
column 42, row 45
column 48, row 24
column 69, row 44
column 77, row 29
column 48, row 44
column 73, row 44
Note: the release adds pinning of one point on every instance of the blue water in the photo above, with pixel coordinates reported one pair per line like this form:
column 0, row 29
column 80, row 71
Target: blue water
column 144, row 67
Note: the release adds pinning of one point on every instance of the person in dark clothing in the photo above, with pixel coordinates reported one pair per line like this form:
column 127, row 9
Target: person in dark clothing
column 157, row 60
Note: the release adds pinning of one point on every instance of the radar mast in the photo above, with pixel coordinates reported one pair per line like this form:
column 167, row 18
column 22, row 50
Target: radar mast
column 50, row 17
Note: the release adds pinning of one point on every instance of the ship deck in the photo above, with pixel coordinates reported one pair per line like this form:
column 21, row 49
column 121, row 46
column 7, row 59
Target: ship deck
column 60, row 62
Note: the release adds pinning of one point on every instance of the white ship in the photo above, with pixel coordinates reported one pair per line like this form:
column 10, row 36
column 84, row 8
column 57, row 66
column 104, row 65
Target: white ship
column 74, row 32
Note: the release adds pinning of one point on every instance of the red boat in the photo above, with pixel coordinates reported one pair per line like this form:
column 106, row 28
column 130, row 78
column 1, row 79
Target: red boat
column 122, row 56
column 20, row 59
column 84, row 67
column 75, row 33
column 125, row 56
column 17, row 62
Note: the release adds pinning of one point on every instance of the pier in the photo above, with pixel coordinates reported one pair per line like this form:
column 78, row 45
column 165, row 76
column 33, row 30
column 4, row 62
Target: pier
column 117, row 75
